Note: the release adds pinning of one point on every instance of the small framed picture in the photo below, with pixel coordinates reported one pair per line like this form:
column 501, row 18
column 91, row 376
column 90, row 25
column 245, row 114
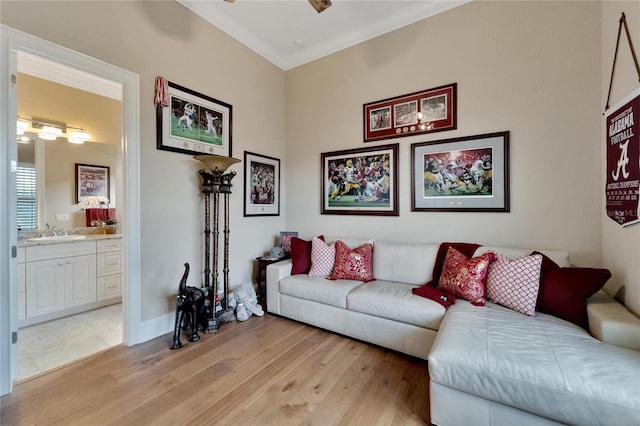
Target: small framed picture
column 261, row 185
column 91, row 181
column 285, row 240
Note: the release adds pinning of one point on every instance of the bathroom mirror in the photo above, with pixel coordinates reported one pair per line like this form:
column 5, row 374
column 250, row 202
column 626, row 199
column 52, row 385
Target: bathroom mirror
column 51, row 163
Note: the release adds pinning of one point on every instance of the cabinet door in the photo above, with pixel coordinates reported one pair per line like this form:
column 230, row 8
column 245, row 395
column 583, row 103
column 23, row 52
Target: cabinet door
column 45, row 287
column 80, row 280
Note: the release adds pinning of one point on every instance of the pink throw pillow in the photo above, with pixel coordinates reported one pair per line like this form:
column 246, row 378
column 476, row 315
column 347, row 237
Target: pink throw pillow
column 356, row 264
column 515, row 283
column 323, row 256
column 301, row 255
column 465, row 277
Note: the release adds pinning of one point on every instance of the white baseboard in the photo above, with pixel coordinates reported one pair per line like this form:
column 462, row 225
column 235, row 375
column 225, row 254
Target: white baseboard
column 150, row 329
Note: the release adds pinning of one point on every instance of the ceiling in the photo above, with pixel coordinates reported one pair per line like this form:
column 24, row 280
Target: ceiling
column 290, row 33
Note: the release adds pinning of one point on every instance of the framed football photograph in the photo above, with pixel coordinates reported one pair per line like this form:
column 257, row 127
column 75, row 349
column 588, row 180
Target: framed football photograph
column 261, row 185
column 461, row 174
column 193, row 123
column 360, row 181
column 427, row 111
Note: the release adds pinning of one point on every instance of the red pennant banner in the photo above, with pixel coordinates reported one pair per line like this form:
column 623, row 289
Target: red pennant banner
column 623, row 160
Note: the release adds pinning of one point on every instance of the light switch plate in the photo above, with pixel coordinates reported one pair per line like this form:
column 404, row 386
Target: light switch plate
column 62, row 217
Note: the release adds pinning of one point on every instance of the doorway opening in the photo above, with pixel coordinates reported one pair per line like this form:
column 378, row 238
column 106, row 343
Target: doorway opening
column 54, row 334
column 14, row 42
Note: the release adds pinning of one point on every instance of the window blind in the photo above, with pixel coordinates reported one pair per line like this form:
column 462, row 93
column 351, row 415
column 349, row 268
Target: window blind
column 26, row 192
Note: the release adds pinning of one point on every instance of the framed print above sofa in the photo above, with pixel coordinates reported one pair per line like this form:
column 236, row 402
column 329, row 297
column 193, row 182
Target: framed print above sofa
column 427, row 111
column 461, row 174
column 360, row 181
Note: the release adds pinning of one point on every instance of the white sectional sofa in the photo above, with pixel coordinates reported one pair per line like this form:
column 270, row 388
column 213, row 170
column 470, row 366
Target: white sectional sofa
column 383, row 312
column 487, row 365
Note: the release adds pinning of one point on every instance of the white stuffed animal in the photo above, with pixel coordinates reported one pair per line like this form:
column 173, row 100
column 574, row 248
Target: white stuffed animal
column 247, row 303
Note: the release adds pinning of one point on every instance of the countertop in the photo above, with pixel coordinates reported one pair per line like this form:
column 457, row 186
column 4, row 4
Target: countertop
column 89, row 237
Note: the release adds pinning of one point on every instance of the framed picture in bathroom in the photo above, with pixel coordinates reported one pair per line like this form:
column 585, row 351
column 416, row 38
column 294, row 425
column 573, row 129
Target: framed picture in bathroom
column 91, row 181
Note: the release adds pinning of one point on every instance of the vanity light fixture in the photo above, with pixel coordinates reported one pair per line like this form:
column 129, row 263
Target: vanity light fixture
column 50, row 133
column 78, row 137
column 21, row 127
column 51, row 130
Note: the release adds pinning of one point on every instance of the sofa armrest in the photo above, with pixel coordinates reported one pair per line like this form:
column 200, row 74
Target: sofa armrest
column 275, row 272
column 611, row 322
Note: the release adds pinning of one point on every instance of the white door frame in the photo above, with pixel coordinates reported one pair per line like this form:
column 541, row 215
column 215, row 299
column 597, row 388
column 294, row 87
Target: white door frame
column 13, row 41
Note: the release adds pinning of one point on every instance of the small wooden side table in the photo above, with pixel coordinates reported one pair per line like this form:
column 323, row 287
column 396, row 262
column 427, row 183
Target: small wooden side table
column 261, row 275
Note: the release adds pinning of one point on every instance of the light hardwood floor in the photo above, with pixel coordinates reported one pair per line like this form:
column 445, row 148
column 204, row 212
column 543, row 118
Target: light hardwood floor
column 266, row 371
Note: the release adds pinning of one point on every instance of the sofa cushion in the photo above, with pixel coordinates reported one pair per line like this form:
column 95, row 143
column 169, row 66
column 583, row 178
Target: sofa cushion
column 356, row 264
column 465, row 277
column 564, row 291
column 301, row 255
column 406, row 263
column 319, row 289
column 323, row 256
column 515, row 283
column 542, row 364
column 395, row 301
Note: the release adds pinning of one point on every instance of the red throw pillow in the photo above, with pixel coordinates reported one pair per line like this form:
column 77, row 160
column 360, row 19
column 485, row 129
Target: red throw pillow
column 564, row 291
column 465, row 277
column 301, row 255
column 465, row 248
column 356, row 264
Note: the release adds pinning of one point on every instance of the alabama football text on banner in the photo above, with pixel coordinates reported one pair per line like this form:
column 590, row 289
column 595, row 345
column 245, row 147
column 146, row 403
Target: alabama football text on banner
column 623, row 160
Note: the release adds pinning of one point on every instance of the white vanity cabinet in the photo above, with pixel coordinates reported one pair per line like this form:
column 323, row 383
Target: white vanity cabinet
column 60, row 276
column 109, row 268
column 66, row 278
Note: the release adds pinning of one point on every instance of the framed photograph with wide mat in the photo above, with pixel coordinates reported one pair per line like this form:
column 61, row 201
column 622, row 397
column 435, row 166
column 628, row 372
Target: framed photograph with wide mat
column 360, row 181
column 461, row 174
column 193, row 123
column 261, row 185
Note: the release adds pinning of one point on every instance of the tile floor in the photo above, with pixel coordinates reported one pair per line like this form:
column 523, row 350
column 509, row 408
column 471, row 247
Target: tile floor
column 58, row 342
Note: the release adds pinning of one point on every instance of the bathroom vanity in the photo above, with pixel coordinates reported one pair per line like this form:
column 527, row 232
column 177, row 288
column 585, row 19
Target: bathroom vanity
column 65, row 276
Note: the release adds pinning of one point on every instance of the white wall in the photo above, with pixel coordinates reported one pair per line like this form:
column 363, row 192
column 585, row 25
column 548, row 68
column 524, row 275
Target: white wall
column 164, row 38
column 620, row 246
column 528, row 67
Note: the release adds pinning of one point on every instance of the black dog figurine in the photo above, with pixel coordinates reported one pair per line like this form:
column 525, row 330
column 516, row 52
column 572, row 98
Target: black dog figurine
column 189, row 311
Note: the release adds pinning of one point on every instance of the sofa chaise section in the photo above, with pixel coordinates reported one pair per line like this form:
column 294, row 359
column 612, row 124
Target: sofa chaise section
column 509, row 368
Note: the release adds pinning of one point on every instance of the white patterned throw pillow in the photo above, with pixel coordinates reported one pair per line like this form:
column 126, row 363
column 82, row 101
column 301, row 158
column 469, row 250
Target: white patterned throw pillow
column 323, row 256
column 515, row 283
